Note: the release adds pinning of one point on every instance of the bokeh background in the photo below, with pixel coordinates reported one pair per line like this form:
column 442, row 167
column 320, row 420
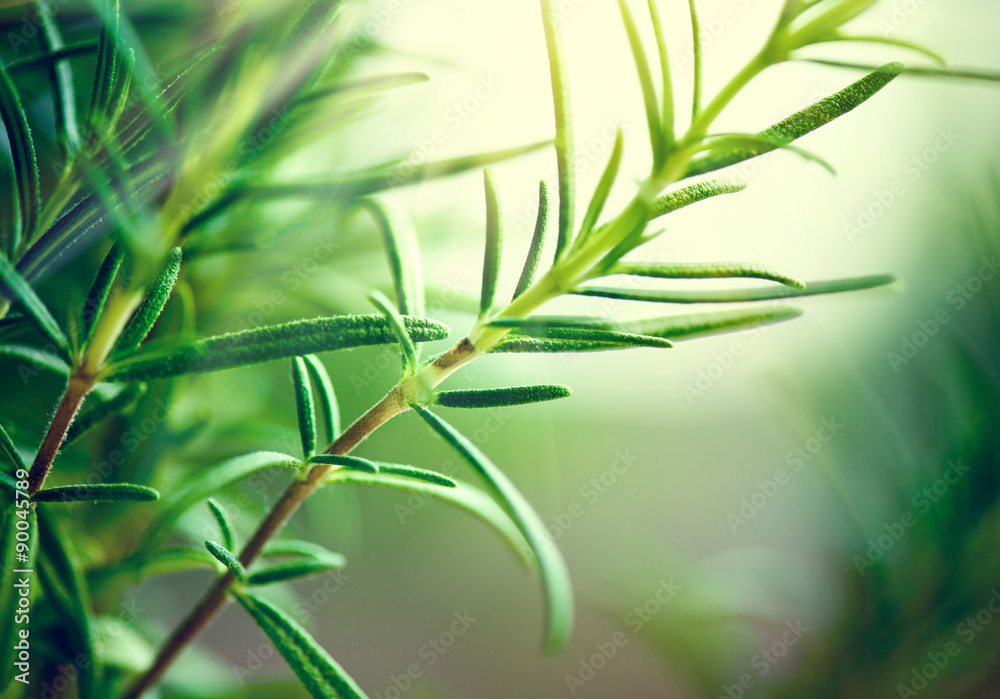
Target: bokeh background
column 717, row 503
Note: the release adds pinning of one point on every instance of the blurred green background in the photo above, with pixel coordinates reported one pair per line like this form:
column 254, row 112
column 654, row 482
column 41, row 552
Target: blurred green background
column 698, row 566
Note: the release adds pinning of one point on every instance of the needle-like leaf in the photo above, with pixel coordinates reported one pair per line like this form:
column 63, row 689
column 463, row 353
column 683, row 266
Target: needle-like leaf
column 400, row 241
column 408, row 349
column 16, row 288
column 709, row 270
column 494, row 244
column 555, row 577
column 672, row 201
column 603, row 189
column 91, row 417
column 97, row 492
column 565, row 150
column 803, row 121
column 259, row 345
column 152, row 305
column 918, row 71
column 712, row 323
column 501, row 397
column 10, row 453
column 222, row 520
column 99, row 290
column 650, row 100
column 227, row 558
column 831, row 286
column 106, row 72
column 22, row 149
column 355, row 463
column 696, row 54
column 327, row 398
column 722, row 145
column 292, row 571
column 61, row 76
column 537, row 242
column 322, row 677
column 667, row 114
column 305, row 407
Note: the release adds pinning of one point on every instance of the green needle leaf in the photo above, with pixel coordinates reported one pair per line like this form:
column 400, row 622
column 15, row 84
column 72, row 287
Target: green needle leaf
column 375, row 83
column 803, row 121
column 208, row 483
column 712, row 323
column 259, row 345
column 327, row 398
column 739, row 142
column 603, row 189
column 322, row 677
column 406, row 346
column 37, row 359
column 90, row 418
column 696, row 46
column 667, row 115
column 646, row 83
column 501, row 397
column 356, row 463
column 306, row 549
column 672, row 201
column 304, row 406
column 537, row 242
column 555, row 577
column 228, row 559
column 106, row 72
column 10, row 453
column 346, row 461
column 292, row 570
column 16, row 288
column 156, row 298
column 400, row 241
column 709, row 270
column 22, row 150
column 565, row 151
column 890, row 41
column 61, row 76
column 494, row 244
column 101, row 288
column 513, row 344
column 919, row 71
column 97, row 492
column 832, row 286
column 222, row 519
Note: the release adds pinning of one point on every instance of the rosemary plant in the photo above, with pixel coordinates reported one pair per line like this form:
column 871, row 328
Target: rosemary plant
column 160, row 172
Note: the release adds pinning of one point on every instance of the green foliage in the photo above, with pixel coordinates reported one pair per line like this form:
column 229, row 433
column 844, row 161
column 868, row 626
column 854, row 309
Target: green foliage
column 304, row 406
column 154, row 167
column 318, row 672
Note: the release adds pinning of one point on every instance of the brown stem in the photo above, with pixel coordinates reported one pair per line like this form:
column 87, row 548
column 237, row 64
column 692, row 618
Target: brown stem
column 76, row 390
column 394, row 403
column 214, row 600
